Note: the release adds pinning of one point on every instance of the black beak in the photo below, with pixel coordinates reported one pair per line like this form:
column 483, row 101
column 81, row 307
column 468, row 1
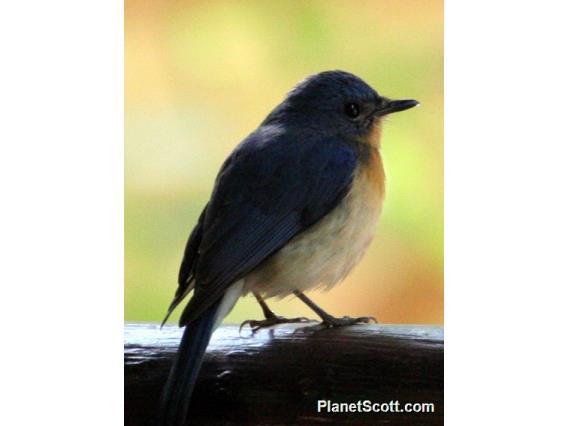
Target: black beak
column 388, row 106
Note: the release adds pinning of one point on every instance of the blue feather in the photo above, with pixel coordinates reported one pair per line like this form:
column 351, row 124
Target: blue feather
column 274, row 186
column 176, row 396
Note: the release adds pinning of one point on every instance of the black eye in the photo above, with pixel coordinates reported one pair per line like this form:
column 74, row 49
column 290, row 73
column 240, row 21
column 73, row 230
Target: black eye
column 352, row 110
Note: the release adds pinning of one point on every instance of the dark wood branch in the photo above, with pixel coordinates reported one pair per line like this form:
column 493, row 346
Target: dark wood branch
column 277, row 376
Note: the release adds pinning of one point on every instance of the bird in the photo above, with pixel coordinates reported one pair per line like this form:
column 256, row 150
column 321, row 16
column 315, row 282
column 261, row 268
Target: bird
column 294, row 207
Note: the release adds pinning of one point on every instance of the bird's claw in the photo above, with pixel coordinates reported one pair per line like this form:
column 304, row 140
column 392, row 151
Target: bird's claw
column 256, row 325
column 345, row 321
column 333, row 322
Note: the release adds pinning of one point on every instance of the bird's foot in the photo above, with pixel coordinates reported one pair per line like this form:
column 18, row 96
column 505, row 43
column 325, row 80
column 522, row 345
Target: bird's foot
column 333, row 322
column 330, row 322
column 271, row 321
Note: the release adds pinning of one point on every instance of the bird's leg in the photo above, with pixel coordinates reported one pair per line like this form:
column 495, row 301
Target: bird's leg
column 328, row 320
column 270, row 318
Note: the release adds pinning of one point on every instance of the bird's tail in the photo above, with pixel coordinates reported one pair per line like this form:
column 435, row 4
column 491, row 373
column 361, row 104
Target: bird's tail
column 176, row 396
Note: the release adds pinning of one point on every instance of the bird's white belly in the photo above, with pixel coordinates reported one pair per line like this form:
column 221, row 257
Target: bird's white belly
column 323, row 255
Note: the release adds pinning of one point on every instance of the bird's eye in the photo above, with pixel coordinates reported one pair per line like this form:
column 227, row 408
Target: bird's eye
column 352, row 110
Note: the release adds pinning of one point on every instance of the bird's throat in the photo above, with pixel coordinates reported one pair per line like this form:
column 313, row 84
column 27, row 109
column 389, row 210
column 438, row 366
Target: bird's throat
column 373, row 137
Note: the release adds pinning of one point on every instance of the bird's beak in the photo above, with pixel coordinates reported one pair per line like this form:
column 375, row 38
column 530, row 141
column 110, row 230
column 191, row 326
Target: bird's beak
column 390, row 106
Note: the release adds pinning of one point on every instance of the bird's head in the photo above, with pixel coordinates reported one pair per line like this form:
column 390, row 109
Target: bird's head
column 337, row 103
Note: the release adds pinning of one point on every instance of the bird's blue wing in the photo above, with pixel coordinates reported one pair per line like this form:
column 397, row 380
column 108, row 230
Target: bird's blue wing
column 273, row 187
column 186, row 276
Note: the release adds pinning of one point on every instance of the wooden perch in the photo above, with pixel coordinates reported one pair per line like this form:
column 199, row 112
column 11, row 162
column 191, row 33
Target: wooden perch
column 277, row 376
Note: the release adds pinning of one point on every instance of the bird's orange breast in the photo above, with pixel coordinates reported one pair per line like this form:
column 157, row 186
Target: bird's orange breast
column 324, row 254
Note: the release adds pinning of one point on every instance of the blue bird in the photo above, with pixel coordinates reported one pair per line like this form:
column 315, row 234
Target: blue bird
column 294, row 208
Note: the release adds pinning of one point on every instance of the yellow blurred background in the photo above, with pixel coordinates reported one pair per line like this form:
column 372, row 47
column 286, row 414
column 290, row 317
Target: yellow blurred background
column 201, row 75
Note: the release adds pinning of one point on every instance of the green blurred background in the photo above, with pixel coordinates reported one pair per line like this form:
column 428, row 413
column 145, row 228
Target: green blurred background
column 201, row 75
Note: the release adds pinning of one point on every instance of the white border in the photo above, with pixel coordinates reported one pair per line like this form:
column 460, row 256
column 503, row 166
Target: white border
column 506, row 211
column 61, row 171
